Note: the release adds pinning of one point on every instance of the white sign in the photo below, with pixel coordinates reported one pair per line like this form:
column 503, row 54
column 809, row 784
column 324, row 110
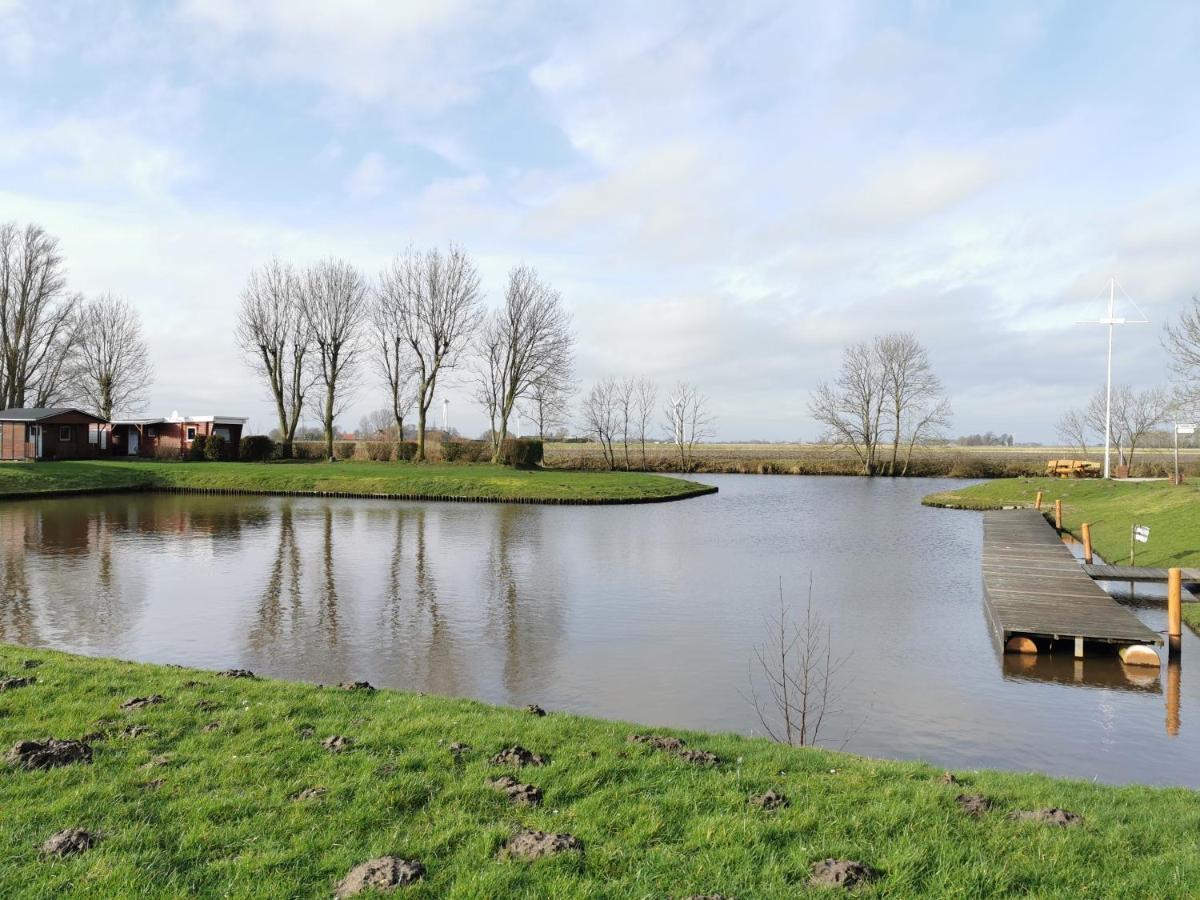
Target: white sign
column 1185, row 429
column 1141, row 533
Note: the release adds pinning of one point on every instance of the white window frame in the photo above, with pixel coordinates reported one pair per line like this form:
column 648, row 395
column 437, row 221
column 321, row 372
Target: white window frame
column 190, row 432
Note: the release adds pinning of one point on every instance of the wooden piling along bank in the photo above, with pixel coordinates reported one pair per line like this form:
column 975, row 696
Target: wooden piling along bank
column 1037, row 593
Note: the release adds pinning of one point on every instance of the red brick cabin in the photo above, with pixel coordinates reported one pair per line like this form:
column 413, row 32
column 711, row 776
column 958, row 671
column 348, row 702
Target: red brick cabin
column 54, row 433
column 171, row 436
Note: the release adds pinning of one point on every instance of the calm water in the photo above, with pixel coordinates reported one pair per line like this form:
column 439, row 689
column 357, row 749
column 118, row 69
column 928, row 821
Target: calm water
column 648, row 613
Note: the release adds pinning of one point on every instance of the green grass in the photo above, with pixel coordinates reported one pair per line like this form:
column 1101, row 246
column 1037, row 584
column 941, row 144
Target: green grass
column 1110, row 507
column 481, row 482
column 222, row 822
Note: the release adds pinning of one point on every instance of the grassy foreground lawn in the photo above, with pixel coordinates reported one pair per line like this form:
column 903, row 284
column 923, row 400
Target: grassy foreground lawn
column 200, row 803
column 429, row 480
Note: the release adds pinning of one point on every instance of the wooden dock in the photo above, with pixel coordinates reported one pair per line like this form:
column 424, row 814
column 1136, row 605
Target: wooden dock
column 1139, row 574
column 1037, row 591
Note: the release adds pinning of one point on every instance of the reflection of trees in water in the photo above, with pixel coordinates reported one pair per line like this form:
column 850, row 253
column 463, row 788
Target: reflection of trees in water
column 17, row 625
column 284, row 577
column 327, row 616
column 60, row 571
column 523, row 608
column 421, row 640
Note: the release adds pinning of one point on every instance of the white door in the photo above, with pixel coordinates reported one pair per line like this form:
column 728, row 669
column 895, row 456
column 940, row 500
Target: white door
column 133, row 442
column 37, row 441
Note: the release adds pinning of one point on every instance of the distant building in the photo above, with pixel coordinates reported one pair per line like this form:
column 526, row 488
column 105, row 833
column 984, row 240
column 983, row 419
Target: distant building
column 52, row 433
column 171, row 435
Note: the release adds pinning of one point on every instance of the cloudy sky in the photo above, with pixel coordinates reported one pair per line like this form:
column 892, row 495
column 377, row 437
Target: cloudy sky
column 723, row 196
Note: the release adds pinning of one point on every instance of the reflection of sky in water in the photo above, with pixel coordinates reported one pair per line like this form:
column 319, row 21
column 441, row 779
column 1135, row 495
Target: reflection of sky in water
column 648, row 613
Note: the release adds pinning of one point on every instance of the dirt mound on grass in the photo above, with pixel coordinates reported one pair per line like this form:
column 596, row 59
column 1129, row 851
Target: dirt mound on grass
column 843, row 873
column 11, row 684
column 770, row 800
column 336, row 743
column 974, row 805
column 134, row 703
column 69, row 842
column 383, row 874
column 236, row 673
column 1051, row 816
column 536, row 710
column 365, row 686
column 312, row 793
column 521, row 794
column 516, row 756
column 658, row 741
column 536, row 844
column 48, row 753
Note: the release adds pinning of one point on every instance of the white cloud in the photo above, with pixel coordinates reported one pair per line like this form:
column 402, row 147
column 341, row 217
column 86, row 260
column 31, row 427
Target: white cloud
column 370, row 178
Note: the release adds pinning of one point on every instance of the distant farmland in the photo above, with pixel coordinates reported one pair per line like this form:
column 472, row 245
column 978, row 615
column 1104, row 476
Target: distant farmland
column 824, row 459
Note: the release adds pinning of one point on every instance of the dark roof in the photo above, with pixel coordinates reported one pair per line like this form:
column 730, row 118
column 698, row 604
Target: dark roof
column 37, row 415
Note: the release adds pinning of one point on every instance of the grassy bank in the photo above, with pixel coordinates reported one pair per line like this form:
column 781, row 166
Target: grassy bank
column 1110, row 507
column 434, row 481
column 199, row 802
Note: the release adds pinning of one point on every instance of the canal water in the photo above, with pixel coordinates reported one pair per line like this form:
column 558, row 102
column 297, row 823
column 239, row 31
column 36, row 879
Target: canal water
column 644, row 613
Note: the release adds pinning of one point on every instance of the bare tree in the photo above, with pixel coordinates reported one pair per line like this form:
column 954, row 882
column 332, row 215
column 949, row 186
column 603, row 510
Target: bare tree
column 1134, row 414
column 333, row 300
column 626, row 397
column 1072, row 430
column 113, row 371
column 851, row 407
column 687, row 420
column 379, row 423
column 645, row 397
column 916, row 404
column 37, row 317
column 277, row 339
column 798, row 672
column 435, row 297
column 526, row 342
column 600, row 417
column 549, row 404
column 1181, row 340
column 393, row 358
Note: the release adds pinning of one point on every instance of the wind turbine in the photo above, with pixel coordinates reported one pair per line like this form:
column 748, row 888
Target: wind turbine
column 1111, row 320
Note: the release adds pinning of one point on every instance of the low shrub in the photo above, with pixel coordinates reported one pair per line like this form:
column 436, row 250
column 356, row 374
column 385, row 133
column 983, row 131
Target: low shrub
column 378, row 451
column 522, row 453
column 257, row 448
column 463, row 451
column 167, row 452
column 196, row 450
column 406, row 450
column 214, row 447
column 344, row 449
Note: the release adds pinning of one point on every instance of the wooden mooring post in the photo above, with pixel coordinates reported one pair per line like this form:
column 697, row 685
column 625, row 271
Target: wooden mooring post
column 1087, row 543
column 1058, row 514
column 1037, row 501
column 1174, row 610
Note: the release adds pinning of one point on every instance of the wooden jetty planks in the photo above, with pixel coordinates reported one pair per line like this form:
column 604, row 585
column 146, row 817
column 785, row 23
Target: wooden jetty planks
column 1034, row 586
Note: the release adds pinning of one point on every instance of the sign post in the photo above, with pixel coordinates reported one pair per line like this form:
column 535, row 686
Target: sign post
column 1181, row 428
column 1139, row 534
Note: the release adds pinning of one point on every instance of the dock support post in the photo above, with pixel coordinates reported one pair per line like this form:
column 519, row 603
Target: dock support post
column 1087, row 543
column 1173, row 697
column 1058, row 514
column 1079, row 648
column 1037, row 501
column 1174, row 610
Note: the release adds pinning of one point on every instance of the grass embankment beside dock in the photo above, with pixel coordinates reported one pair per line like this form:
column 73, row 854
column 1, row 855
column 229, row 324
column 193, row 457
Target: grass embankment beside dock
column 200, row 794
column 1111, row 508
column 426, row 481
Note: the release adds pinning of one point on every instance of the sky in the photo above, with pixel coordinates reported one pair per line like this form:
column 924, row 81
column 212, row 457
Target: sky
column 723, row 195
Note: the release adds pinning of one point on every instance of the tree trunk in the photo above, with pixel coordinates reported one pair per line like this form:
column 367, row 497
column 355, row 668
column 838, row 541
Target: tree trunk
column 419, row 456
column 329, row 422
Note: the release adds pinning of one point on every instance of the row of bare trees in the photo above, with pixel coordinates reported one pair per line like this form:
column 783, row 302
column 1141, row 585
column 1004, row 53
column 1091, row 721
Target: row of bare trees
column 886, row 396
column 56, row 347
column 1134, row 415
column 308, row 334
column 618, row 413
